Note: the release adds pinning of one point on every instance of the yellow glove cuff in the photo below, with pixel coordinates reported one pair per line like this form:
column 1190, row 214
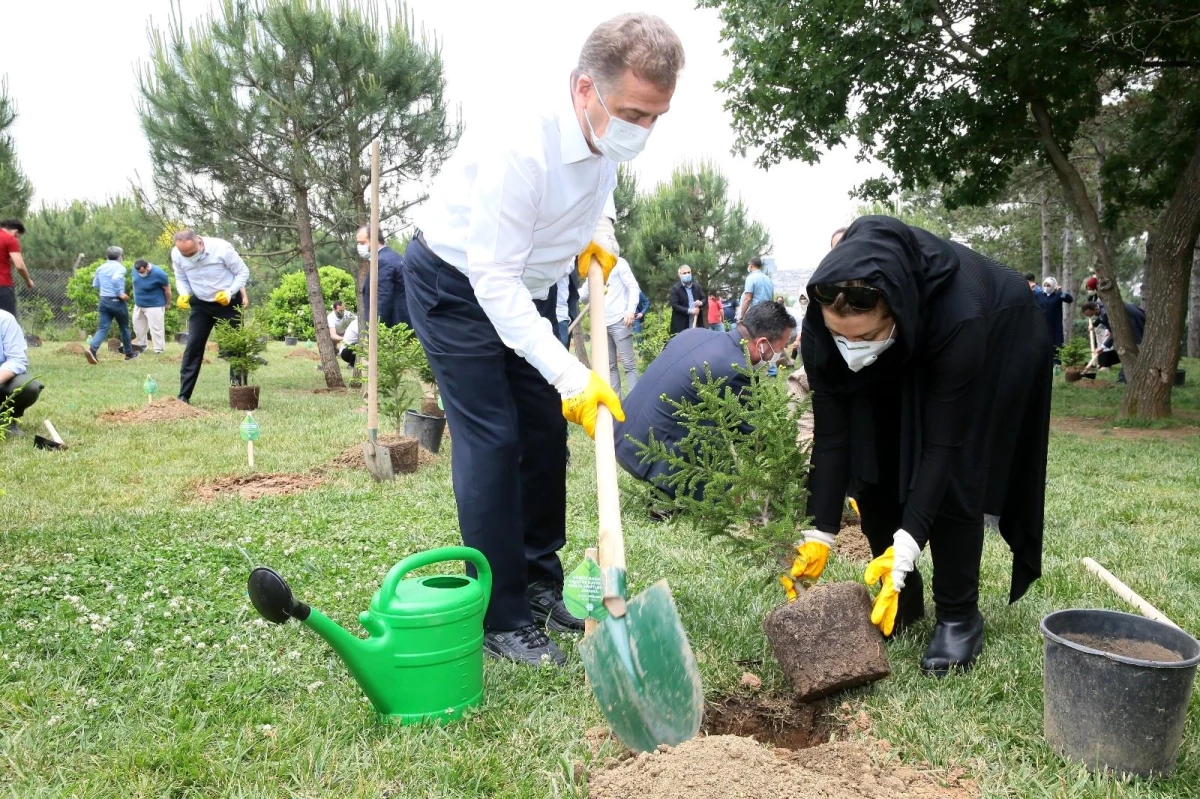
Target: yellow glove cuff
column 584, row 262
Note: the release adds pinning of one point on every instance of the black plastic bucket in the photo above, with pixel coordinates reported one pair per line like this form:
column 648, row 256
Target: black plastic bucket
column 1110, row 711
column 426, row 429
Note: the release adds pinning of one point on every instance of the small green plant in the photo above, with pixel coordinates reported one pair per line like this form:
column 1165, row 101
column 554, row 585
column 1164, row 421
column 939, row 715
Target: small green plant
column 36, row 314
column 656, row 332
column 402, row 367
column 241, row 343
column 738, row 473
column 1075, row 353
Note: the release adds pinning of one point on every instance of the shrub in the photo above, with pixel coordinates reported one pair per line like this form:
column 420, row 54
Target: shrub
column 242, row 343
column 35, row 314
column 1076, row 352
column 739, row 473
column 402, row 365
column 287, row 310
column 656, row 332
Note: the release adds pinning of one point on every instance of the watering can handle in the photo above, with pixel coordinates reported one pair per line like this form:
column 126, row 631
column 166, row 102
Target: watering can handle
column 413, row 562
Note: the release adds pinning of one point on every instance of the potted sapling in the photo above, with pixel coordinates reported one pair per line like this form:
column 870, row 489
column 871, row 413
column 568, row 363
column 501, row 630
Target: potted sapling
column 427, row 425
column 1074, row 356
column 241, row 344
column 399, row 387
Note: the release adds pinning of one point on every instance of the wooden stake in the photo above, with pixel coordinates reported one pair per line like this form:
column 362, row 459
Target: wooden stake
column 250, row 453
column 1125, row 592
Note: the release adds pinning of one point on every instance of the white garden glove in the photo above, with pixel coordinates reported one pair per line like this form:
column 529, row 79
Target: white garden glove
column 606, row 235
column 906, row 553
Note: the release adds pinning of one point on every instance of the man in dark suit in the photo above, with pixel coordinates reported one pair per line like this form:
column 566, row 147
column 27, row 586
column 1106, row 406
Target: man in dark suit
column 687, row 299
column 393, row 303
column 764, row 331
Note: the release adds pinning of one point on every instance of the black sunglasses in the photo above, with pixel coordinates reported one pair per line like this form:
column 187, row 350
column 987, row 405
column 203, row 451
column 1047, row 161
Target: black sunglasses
column 860, row 298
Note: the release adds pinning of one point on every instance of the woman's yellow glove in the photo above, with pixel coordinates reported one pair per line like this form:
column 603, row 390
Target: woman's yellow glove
column 812, row 555
column 883, row 615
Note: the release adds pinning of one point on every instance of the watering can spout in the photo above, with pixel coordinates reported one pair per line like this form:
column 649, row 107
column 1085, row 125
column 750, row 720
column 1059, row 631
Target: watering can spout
column 349, row 648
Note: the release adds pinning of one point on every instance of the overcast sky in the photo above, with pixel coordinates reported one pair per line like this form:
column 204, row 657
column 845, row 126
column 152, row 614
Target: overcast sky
column 70, row 66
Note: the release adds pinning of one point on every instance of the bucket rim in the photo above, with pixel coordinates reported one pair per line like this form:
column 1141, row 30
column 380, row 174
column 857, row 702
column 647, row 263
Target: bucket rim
column 1183, row 663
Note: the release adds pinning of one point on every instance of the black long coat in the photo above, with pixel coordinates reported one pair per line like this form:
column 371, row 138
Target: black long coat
column 680, row 318
column 973, row 365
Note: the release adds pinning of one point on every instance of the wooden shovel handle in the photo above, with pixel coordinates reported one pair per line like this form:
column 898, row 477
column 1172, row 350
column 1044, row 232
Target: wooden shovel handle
column 1127, row 593
column 612, row 540
column 373, row 319
column 54, row 436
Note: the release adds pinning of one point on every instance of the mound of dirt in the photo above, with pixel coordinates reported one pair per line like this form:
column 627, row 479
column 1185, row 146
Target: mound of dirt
column 730, row 766
column 167, row 409
column 311, row 355
column 74, row 348
column 352, row 456
column 851, row 544
column 254, row 486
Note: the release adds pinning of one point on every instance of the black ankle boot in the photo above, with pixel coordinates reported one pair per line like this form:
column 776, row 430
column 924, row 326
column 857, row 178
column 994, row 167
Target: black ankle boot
column 911, row 605
column 955, row 645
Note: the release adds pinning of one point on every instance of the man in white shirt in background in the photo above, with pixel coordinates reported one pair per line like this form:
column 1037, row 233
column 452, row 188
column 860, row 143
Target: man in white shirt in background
column 209, row 278
column 508, row 214
column 562, row 309
column 620, row 305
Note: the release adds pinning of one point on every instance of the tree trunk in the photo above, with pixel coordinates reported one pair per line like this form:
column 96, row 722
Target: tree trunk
column 1045, row 208
column 1076, row 195
column 1069, row 284
column 316, row 299
column 1193, row 335
column 1169, row 265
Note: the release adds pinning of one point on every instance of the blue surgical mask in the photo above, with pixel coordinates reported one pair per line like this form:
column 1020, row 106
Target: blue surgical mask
column 686, row 279
column 622, row 141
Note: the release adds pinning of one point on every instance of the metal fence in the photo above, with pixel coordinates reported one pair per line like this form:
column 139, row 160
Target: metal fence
column 45, row 309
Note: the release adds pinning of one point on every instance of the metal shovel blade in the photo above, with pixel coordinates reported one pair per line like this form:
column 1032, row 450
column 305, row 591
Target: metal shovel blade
column 644, row 674
column 379, row 461
column 41, row 442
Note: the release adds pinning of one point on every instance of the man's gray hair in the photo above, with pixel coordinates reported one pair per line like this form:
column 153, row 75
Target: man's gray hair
column 187, row 234
column 642, row 43
column 114, row 253
column 682, row 267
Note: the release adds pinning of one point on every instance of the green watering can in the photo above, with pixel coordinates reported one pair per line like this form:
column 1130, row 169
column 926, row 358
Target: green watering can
column 423, row 660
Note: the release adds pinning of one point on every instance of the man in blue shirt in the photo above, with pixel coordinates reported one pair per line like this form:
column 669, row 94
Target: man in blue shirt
column 759, row 287
column 151, row 295
column 209, row 277
column 16, row 385
column 110, row 280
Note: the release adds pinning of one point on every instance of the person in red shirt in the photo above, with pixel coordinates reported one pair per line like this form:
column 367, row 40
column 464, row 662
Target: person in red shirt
column 716, row 313
column 10, row 256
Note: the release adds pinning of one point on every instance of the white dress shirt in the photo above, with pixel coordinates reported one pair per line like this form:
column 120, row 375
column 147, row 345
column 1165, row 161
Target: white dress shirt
column 562, row 309
column 219, row 268
column 511, row 209
column 621, row 296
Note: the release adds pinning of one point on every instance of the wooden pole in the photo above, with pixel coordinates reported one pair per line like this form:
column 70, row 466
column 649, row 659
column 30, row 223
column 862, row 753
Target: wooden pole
column 250, row 453
column 1127, row 593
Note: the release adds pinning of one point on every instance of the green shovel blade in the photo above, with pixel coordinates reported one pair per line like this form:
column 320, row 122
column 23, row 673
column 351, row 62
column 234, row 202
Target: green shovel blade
column 644, row 674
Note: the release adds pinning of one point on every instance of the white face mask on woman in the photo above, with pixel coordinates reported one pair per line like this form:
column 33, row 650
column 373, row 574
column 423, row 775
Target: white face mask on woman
column 860, row 354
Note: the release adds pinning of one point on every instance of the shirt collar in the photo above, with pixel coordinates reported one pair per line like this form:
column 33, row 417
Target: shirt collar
column 572, row 142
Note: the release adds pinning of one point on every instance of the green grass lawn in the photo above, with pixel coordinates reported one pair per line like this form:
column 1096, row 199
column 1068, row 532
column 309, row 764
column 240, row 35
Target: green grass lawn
column 131, row 663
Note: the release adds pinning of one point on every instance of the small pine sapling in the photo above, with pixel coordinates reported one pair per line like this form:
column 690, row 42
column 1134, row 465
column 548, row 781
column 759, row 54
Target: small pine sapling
column 242, row 344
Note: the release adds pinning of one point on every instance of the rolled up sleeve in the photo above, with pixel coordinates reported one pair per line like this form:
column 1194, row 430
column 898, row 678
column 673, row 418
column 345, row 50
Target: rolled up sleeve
column 13, row 354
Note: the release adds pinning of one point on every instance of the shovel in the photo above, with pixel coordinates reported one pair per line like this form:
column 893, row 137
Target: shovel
column 378, row 458
column 638, row 659
column 54, row 442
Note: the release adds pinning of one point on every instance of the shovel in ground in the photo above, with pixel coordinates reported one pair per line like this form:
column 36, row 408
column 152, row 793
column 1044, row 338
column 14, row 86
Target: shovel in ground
column 638, row 659
column 378, row 458
column 54, row 442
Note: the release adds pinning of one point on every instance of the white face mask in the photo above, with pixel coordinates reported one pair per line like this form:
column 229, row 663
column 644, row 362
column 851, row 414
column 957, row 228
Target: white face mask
column 764, row 361
column 622, row 141
column 860, row 354
column 364, row 251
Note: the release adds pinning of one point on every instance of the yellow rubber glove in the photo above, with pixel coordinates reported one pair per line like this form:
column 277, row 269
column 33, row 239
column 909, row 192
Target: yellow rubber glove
column 883, row 614
column 183, row 302
column 584, row 262
column 789, row 586
column 582, row 407
column 222, row 298
column 812, row 555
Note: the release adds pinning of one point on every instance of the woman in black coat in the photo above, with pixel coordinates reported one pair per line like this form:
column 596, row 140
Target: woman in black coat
column 931, row 372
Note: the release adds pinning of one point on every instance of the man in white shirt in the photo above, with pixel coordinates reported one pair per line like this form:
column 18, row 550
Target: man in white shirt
column 620, row 305
column 507, row 216
column 209, row 278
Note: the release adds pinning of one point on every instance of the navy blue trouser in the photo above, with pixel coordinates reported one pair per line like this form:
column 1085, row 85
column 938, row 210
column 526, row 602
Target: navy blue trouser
column 113, row 309
column 201, row 320
column 509, row 455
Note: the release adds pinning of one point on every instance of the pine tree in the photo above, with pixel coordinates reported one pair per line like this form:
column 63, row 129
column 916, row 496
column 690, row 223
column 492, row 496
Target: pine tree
column 261, row 114
column 15, row 189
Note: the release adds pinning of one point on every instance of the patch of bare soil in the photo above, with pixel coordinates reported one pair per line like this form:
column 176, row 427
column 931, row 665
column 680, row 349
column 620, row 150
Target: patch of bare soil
column 1127, row 647
column 1102, row 384
column 254, row 486
column 167, row 409
column 852, row 544
column 352, row 456
column 773, row 720
column 334, row 390
column 179, row 359
column 310, row 355
column 73, row 348
column 1088, row 426
column 732, row 766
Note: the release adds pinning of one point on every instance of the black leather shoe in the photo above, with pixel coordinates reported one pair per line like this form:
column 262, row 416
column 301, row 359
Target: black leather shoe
column 546, row 603
column 911, row 607
column 527, row 645
column 955, row 645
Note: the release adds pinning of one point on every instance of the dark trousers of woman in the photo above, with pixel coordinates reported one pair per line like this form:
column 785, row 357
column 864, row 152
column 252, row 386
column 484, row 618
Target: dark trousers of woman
column 955, row 540
column 202, row 319
column 509, row 460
